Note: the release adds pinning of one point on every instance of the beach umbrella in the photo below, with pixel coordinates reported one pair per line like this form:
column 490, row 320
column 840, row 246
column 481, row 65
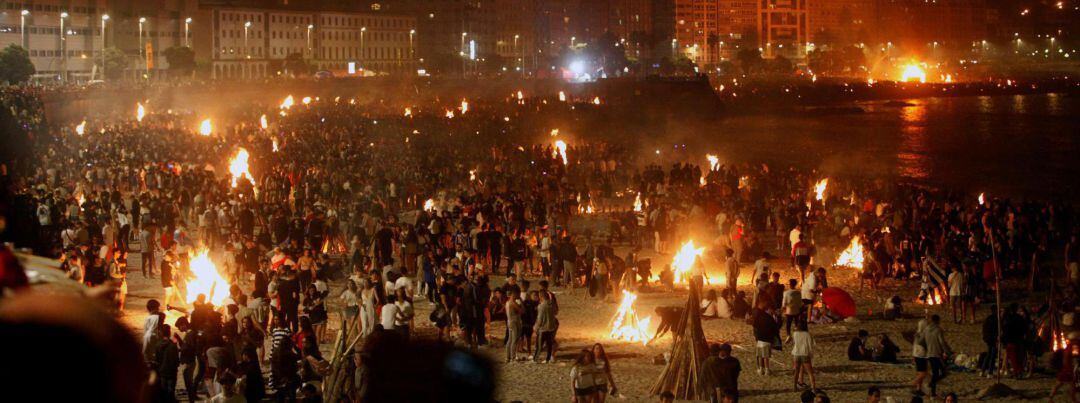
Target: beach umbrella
column 838, row 301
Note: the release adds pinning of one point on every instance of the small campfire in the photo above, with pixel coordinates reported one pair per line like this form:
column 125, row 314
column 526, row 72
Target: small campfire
column 626, row 326
column 238, row 167
column 819, row 189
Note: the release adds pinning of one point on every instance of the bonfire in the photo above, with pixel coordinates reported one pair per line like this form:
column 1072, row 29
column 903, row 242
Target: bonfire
column 287, row 103
column 238, row 167
column 206, row 128
column 206, row 280
column 626, row 326
column 560, row 151
column 637, row 203
column 140, row 112
column 81, row 128
column 852, row 256
column 263, row 123
column 819, row 189
column 684, row 261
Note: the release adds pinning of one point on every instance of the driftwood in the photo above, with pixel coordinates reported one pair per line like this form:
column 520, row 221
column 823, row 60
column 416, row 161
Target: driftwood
column 336, row 381
column 682, row 374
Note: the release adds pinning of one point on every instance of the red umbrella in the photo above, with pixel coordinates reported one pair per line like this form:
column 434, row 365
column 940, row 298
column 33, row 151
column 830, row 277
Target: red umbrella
column 838, row 301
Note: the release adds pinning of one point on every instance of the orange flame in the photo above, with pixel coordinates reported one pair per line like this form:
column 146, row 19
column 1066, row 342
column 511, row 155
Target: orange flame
column 238, row 167
column 626, row 326
column 637, row 203
column 911, row 72
column 81, row 128
column 263, row 122
column 684, row 261
column 819, row 189
column 560, row 151
column 852, row 256
column 140, row 112
column 206, row 280
column 205, row 127
column 562, row 96
column 287, row 102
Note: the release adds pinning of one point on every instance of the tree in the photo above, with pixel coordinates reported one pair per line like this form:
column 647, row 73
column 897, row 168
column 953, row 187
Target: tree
column 296, row 65
column 781, row 65
column 748, row 58
column 710, row 46
column 116, row 62
column 15, row 65
column 181, row 59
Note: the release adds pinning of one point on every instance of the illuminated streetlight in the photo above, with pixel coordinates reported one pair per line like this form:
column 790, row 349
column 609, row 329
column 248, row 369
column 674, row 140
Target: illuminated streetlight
column 104, row 19
column 63, row 45
column 309, row 28
column 142, row 46
column 187, row 32
column 362, row 48
column 22, row 28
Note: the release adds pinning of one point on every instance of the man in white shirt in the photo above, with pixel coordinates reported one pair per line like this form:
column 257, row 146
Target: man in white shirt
column 403, row 319
column 389, row 314
column 761, row 266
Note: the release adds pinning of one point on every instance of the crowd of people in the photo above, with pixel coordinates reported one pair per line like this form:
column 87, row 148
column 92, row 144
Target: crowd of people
column 482, row 216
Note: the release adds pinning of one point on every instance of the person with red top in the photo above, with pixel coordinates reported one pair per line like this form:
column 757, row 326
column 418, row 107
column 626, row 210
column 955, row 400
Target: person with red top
column 800, row 252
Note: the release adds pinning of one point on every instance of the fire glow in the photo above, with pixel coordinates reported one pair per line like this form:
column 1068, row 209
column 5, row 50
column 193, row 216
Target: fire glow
column 852, row 256
column 140, row 112
column 263, row 122
column 913, row 72
column 626, row 326
column 560, row 151
column 206, row 280
column 464, row 106
column 819, row 189
column 81, row 128
column 684, row 261
column 287, row 102
column 238, row 167
column 206, row 128
column 637, row 203
column 714, row 162
column 562, row 96
column 429, row 205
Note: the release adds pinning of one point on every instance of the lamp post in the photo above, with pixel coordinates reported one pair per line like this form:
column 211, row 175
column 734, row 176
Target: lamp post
column 412, row 33
column 247, row 50
column 63, row 46
column 142, row 46
column 309, row 28
column 104, row 19
column 520, row 57
column 363, row 56
column 464, row 53
column 187, row 32
column 22, row 29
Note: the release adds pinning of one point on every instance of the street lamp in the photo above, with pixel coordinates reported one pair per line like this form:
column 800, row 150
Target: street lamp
column 309, row 28
column 412, row 33
column 362, row 48
column 22, row 29
column 518, row 52
column 247, row 51
column 104, row 19
column 142, row 46
column 63, row 46
column 187, row 32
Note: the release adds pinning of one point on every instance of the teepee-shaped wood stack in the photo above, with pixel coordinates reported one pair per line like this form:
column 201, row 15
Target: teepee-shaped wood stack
column 682, row 374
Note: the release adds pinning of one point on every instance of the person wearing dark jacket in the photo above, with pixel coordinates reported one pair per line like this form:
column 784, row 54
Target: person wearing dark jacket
column 766, row 331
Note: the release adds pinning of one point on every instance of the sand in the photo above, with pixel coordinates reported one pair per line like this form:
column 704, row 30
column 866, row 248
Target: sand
column 585, row 321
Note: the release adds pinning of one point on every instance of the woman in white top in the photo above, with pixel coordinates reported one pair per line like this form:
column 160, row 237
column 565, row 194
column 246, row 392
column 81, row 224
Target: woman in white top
column 582, row 385
column 710, row 306
column 918, row 352
column 803, row 352
column 351, row 299
column 368, row 317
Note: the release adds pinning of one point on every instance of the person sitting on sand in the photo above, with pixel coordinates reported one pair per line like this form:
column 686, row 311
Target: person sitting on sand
column 857, row 350
column 739, row 307
column 886, row 350
column 710, row 307
column 894, row 308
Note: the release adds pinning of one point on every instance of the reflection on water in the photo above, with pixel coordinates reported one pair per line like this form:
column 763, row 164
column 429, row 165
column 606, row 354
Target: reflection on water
column 1017, row 145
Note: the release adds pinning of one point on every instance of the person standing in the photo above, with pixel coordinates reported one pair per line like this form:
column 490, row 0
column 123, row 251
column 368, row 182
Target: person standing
column 956, row 299
column 937, row 349
column 545, row 328
column 766, row 332
column 728, row 372
column 792, row 305
column 368, row 314
column 513, row 325
column 288, row 291
column 603, row 381
column 731, row 268
column 582, row 384
column 918, row 353
column 803, row 353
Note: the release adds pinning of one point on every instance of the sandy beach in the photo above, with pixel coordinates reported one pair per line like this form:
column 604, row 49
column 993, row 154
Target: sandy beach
column 585, row 321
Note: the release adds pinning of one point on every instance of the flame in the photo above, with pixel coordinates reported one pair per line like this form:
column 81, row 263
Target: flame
column 408, row 112
column 520, row 96
column 637, row 203
column 206, row 280
column 947, row 78
column 464, row 106
column 238, row 167
column 554, row 132
column 562, row 96
column 472, row 175
column 714, row 162
column 912, row 71
column 81, row 128
column 813, row 78
column 819, row 189
column 275, row 144
column 852, row 256
column 625, row 325
column 82, row 199
column 140, row 112
column 306, row 100
column 982, row 198
column 560, row 151
column 702, row 181
column 1060, row 342
column 449, row 114
column 263, row 122
column 596, row 101
column 744, row 182
column 870, row 81
column 429, row 205
column 587, row 209
column 205, row 127
column 287, row 103
column 684, row 260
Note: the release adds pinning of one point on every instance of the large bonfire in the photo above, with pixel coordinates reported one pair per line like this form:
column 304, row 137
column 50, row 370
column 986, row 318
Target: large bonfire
column 206, row 280
column 626, row 326
column 684, row 261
